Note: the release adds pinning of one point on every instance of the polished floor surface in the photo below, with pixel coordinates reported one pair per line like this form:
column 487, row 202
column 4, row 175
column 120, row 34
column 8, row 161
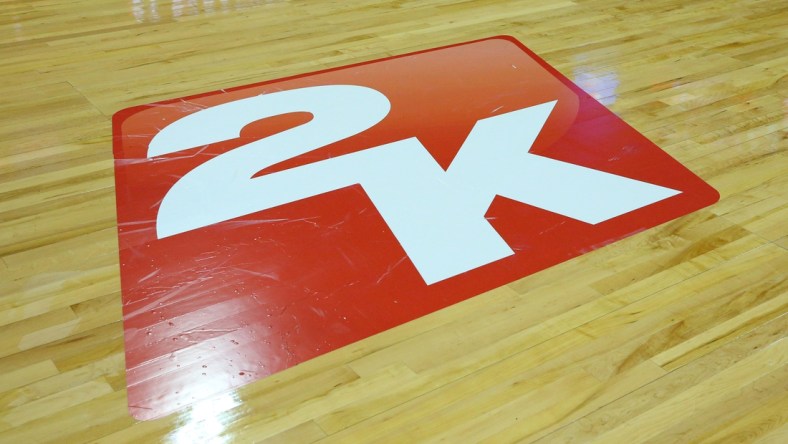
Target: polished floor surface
column 675, row 334
column 245, row 250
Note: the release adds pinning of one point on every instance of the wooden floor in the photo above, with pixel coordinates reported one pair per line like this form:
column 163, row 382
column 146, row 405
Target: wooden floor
column 676, row 334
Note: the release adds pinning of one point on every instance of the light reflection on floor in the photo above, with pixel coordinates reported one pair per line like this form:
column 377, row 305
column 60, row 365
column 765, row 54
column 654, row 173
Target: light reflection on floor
column 153, row 10
column 205, row 421
column 601, row 84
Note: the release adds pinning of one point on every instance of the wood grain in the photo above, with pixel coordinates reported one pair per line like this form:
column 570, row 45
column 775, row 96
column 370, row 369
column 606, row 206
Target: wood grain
column 676, row 334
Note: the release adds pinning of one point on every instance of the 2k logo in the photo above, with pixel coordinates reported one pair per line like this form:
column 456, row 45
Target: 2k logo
column 437, row 216
column 274, row 222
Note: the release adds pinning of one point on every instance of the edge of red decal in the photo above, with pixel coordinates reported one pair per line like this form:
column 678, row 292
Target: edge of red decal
column 264, row 225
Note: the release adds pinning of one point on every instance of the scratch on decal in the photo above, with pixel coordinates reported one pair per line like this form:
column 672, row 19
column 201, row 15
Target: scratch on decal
column 333, row 226
column 303, row 219
column 389, row 270
column 161, row 159
column 149, row 275
column 171, row 293
column 255, row 273
column 348, row 285
column 156, row 204
column 197, row 105
column 345, row 256
column 244, row 223
column 552, row 227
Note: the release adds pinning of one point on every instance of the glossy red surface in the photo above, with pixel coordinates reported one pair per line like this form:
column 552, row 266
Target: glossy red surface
column 224, row 305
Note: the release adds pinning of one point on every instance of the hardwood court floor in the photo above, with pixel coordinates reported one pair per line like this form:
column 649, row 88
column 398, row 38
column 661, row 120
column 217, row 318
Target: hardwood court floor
column 676, row 334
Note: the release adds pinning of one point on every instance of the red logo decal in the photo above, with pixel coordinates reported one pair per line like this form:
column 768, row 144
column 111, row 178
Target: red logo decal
column 265, row 225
